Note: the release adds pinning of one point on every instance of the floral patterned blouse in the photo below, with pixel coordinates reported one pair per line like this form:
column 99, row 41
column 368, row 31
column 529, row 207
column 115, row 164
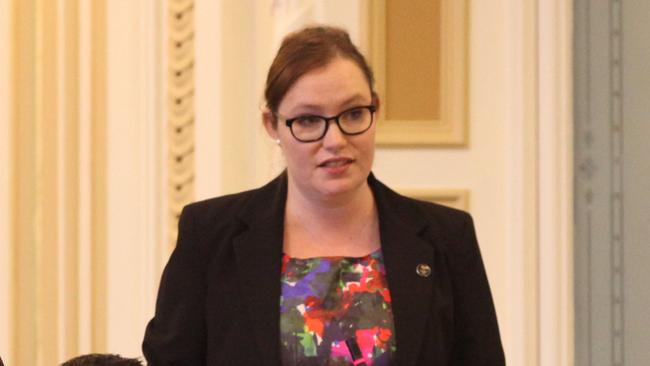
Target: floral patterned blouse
column 336, row 311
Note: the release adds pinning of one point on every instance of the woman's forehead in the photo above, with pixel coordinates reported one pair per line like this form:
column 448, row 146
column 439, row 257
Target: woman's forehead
column 338, row 83
column 338, row 70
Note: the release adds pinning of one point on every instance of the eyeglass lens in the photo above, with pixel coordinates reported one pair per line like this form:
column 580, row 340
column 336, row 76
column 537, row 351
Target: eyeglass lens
column 351, row 122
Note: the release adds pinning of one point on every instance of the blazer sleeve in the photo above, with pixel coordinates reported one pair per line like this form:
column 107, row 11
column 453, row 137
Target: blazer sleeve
column 476, row 332
column 176, row 334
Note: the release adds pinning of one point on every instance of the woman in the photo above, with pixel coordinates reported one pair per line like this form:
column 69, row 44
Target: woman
column 324, row 265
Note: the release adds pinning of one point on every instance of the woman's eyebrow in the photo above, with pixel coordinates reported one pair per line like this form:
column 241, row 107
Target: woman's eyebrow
column 312, row 108
column 356, row 98
column 309, row 108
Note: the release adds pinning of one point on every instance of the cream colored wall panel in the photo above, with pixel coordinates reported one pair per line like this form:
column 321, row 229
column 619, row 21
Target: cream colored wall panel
column 98, row 119
column 66, row 266
column 343, row 13
column 84, row 261
column 152, row 136
column 34, row 224
column 521, row 329
column 68, row 178
column 6, row 157
column 555, row 184
column 268, row 159
column 208, row 98
column 240, row 115
column 135, row 246
column 122, row 179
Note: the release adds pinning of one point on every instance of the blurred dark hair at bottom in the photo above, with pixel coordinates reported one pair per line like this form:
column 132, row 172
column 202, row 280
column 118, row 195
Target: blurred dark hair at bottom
column 99, row 359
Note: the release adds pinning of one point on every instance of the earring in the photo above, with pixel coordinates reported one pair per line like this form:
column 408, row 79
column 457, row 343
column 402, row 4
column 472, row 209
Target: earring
column 277, row 141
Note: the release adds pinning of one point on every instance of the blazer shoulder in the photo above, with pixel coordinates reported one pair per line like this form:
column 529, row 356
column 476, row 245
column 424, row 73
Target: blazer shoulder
column 443, row 217
column 265, row 202
column 218, row 209
column 453, row 228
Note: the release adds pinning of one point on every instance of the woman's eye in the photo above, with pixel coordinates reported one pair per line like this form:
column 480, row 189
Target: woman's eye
column 354, row 114
column 308, row 120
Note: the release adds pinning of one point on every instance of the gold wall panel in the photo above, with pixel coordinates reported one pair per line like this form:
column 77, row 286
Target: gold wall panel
column 412, row 62
column 419, row 54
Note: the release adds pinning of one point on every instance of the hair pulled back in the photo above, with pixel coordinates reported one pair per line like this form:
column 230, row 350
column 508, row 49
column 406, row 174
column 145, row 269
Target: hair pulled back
column 305, row 50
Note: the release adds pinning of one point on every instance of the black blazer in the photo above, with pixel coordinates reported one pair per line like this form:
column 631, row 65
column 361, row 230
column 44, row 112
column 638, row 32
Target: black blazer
column 218, row 302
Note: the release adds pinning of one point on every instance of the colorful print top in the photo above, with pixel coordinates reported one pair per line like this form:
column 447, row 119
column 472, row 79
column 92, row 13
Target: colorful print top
column 330, row 300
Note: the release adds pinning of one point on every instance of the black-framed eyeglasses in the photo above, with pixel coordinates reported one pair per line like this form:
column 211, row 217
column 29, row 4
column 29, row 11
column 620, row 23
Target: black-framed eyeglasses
column 310, row 127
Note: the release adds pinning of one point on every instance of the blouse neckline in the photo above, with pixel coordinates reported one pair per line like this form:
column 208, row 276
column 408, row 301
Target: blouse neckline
column 376, row 253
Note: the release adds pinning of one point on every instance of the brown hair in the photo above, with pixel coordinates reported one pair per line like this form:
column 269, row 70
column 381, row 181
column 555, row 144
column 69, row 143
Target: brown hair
column 100, row 359
column 306, row 50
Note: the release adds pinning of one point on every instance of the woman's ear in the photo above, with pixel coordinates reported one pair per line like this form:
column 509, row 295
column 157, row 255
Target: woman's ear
column 270, row 123
column 376, row 102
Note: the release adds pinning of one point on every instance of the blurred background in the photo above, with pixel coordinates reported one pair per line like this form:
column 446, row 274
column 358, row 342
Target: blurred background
column 532, row 115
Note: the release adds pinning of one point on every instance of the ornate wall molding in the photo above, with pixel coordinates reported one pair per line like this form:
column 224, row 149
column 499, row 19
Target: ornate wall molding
column 599, row 184
column 180, row 110
column 452, row 197
column 617, row 239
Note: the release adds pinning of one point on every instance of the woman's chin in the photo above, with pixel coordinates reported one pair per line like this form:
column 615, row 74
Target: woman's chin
column 339, row 187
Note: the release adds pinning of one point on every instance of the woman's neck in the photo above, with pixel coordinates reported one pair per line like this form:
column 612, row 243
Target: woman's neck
column 342, row 225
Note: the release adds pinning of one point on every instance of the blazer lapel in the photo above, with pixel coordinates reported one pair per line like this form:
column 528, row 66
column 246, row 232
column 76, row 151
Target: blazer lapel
column 258, row 253
column 404, row 250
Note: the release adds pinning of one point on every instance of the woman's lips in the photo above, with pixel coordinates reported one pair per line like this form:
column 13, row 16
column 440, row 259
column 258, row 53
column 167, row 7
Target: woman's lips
column 336, row 166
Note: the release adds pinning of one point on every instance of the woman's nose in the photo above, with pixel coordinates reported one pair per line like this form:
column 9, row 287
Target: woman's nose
column 334, row 137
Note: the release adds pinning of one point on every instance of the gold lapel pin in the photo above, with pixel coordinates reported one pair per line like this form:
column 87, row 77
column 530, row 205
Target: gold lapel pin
column 423, row 270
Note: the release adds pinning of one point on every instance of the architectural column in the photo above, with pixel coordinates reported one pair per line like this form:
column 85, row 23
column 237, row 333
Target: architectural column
column 82, row 190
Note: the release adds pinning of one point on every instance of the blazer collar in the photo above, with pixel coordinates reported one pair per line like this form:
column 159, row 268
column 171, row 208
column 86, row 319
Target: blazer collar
column 402, row 228
column 258, row 253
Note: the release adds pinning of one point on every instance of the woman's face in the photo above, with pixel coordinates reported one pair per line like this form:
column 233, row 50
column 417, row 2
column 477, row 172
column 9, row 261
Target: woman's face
column 338, row 163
